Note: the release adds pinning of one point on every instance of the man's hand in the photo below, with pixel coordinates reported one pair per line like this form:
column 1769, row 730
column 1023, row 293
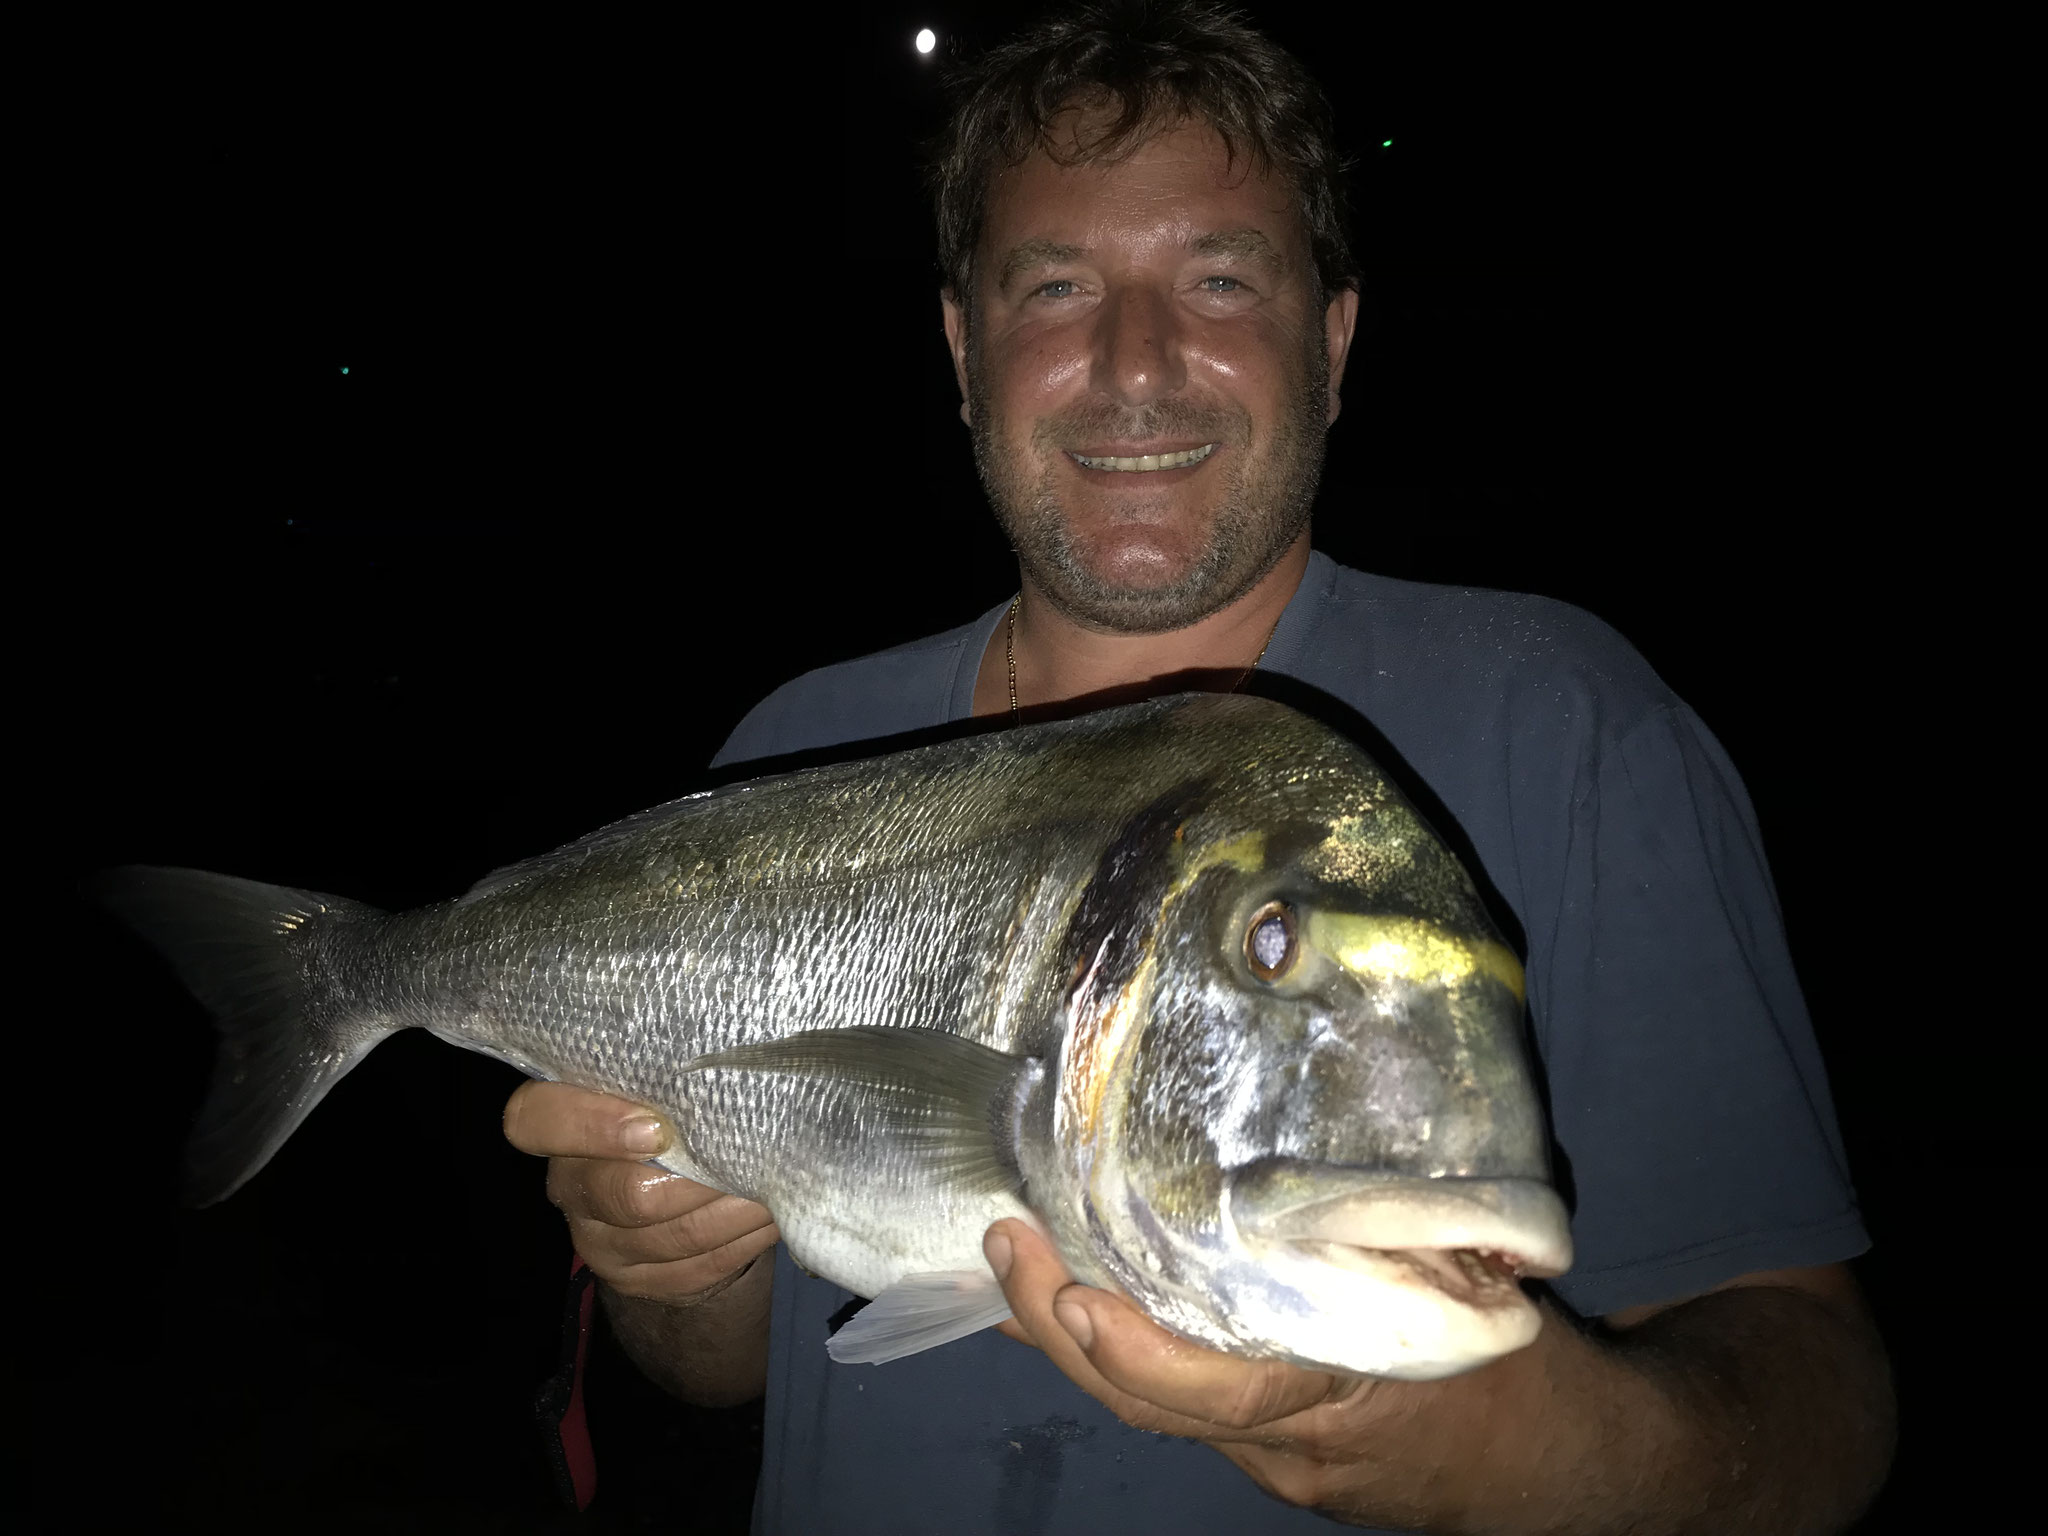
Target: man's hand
column 1763, row 1407
column 1279, row 1422
column 643, row 1232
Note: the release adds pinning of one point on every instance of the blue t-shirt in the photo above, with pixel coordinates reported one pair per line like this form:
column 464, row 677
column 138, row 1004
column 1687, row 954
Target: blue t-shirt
column 1694, row 1135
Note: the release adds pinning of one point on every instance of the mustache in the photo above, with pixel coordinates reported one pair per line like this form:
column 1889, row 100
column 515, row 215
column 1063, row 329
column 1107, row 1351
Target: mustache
column 1091, row 421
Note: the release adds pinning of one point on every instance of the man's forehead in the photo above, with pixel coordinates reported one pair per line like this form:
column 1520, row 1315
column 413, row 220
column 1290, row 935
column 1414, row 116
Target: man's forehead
column 1180, row 183
column 1189, row 149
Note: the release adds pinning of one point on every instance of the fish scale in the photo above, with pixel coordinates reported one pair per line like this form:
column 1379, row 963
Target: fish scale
column 1003, row 975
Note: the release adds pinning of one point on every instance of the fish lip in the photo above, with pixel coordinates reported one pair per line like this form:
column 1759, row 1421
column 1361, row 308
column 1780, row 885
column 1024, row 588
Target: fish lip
column 1519, row 1222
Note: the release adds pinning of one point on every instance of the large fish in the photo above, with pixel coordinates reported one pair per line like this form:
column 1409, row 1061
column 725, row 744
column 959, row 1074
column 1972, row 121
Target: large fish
column 1188, row 983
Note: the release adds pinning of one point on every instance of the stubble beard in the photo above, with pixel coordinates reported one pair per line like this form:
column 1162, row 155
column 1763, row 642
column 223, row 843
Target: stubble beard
column 1264, row 507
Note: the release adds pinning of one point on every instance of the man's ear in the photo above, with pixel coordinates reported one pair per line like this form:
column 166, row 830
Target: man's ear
column 956, row 342
column 1339, row 320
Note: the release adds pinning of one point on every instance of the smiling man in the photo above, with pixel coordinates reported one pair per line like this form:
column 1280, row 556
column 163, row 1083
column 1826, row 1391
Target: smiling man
column 1147, row 395
column 1147, row 356
column 1149, row 302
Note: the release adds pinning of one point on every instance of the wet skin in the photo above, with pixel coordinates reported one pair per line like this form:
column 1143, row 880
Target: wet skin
column 1162, row 303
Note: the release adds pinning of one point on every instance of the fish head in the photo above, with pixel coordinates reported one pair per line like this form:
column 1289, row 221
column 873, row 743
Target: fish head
column 1318, row 1135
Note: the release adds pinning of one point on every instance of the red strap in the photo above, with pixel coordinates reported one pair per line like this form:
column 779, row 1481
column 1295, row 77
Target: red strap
column 565, row 1434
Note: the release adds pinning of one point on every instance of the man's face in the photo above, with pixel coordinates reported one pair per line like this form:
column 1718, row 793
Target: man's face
column 1163, row 305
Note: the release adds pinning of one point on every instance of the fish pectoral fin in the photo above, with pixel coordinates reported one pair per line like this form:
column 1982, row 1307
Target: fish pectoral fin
column 920, row 1312
column 945, row 1104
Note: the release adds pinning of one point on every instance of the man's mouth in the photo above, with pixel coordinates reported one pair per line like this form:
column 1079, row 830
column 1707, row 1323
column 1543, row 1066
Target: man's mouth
column 1144, row 462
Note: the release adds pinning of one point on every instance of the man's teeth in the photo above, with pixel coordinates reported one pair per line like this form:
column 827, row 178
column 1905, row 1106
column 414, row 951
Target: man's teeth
column 1150, row 460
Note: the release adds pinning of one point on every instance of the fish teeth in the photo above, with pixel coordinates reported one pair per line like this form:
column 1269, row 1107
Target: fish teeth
column 1150, row 460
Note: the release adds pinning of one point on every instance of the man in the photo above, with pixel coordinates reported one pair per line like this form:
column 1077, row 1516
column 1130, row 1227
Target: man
column 1150, row 304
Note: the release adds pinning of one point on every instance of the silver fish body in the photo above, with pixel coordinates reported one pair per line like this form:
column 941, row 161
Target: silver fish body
column 1187, row 982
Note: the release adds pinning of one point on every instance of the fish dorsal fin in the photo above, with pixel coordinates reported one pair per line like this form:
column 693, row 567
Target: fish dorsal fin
column 950, row 1103
column 569, row 855
column 920, row 1312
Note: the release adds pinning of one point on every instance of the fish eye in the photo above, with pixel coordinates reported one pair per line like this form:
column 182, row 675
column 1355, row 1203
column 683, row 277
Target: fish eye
column 1269, row 943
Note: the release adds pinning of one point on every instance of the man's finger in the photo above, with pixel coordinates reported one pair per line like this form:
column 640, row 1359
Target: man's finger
column 1138, row 1357
column 1031, row 1273
column 1148, row 1377
column 1034, row 1279
column 716, row 1221
column 674, row 1282
column 708, row 1263
column 625, row 1194
column 555, row 1120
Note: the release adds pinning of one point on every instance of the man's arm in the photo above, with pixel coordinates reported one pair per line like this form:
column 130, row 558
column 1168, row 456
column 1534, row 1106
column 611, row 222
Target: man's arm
column 1763, row 1406
column 710, row 1349
column 1783, row 1393
column 681, row 1267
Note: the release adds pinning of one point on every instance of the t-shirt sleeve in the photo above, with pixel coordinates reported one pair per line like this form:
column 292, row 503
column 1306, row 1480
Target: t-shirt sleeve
column 1687, row 1091
column 767, row 730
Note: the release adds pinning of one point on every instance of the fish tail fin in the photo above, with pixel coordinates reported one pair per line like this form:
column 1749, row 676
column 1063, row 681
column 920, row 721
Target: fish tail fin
column 262, row 959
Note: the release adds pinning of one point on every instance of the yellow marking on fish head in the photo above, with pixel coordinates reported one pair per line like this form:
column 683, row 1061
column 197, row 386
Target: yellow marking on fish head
column 1246, row 851
column 1409, row 949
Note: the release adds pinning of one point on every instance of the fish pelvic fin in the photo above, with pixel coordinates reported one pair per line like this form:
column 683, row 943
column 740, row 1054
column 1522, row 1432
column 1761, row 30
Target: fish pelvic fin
column 259, row 957
column 917, row 1313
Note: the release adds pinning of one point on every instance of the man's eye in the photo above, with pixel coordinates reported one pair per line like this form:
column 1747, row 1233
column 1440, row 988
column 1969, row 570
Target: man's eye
column 1045, row 290
column 1234, row 284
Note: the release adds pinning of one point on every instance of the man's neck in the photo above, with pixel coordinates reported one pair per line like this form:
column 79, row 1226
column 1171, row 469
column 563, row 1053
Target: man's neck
column 1059, row 660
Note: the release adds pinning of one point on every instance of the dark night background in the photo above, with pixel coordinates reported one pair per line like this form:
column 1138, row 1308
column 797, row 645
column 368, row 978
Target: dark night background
column 646, row 410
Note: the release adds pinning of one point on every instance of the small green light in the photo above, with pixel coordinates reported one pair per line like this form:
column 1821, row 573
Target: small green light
column 1384, row 144
column 344, row 370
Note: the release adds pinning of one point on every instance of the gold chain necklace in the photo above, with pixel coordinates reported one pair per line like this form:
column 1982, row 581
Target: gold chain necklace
column 1010, row 651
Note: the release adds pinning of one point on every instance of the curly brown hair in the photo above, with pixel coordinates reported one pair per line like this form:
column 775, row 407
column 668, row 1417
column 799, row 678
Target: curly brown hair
column 1158, row 63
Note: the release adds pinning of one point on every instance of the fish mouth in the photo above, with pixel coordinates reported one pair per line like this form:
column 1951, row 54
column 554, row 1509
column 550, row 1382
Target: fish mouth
column 1471, row 1239
column 1476, row 1278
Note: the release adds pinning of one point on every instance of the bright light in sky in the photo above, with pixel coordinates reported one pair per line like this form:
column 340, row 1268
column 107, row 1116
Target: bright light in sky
column 927, row 40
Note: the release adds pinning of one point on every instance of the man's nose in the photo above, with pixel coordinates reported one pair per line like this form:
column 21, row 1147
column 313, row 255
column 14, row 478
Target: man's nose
column 1137, row 347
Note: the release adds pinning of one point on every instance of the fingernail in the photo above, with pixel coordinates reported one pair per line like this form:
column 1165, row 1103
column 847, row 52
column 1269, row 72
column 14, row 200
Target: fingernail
column 996, row 1247
column 643, row 1133
column 1074, row 1318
